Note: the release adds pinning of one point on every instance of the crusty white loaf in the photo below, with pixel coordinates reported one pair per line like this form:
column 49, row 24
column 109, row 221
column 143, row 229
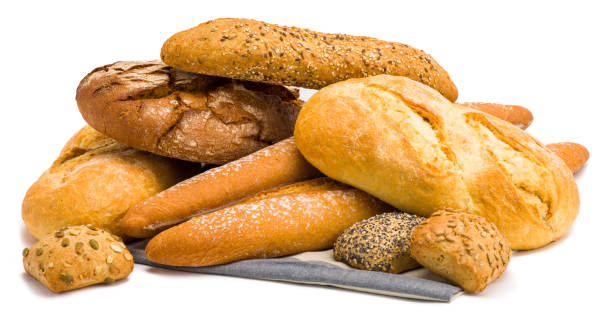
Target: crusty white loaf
column 406, row 144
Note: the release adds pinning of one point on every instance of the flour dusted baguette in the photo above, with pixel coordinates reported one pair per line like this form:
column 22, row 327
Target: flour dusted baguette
column 406, row 144
column 295, row 218
column 276, row 165
column 573, row 154
column 258, row 51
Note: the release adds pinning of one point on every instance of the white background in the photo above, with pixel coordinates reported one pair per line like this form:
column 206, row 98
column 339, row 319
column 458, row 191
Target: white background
column 553, row 58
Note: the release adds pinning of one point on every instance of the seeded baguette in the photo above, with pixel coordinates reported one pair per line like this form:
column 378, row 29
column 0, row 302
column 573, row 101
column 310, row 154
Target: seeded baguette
column 300, row 217
column 461, row 247
column 273, row 166
column 76, row 257
column 258, row 51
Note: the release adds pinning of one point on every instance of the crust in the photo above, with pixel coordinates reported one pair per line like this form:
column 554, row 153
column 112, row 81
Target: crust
column 258, row 51
column 153, row 107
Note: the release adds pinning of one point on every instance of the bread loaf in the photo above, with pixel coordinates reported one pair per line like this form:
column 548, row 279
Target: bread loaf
column 95, row 180
column 461, row 247
column 273, row 166
column 517, row 115
column 573, row 154
column 156, row 108
column 295, row 218
column 76, row 257
column 258, row 51
column 404, row 143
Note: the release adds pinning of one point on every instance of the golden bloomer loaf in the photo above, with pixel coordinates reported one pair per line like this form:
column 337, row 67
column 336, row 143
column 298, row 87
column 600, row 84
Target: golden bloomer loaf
column 95, row 180
column 407, row 145
column 461, row 247
column 77, row 256
column 157, row 108
column 258, row 51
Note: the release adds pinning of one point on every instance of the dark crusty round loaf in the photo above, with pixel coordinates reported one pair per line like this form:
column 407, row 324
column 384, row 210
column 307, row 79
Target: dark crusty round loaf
column 379, row 243
column 461, row 247
column 153, row 107
column 258, row 51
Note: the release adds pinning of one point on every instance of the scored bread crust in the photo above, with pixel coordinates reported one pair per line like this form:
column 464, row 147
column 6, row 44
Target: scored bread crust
column 300, row 217
column 94, row 181
column 258, row 51
column 199, row 118
column 406, row 144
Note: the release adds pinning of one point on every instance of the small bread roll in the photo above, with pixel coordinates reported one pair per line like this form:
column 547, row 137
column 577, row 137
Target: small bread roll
column 76, row 257
column 461, row 247
column 379, row 243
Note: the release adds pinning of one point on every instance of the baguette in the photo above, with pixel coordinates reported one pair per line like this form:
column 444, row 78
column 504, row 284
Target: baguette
column 406, row 144
column 517, row 115
column 272, row 166
column 258, row 51
column 573, row 154
column 295, row 218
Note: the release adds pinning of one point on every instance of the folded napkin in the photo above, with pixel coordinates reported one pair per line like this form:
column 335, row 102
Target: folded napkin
column 320, row 268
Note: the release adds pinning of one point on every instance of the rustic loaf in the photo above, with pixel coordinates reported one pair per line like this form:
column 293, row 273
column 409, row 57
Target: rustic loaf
column 404, row 143
column 199, row 118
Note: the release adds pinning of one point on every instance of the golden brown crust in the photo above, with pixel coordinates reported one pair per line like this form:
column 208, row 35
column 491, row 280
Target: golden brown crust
column 379, row 243
column 404, row 143
column 275, row 165
column 461, row 247
column 95, row 180
column 296, row 218
column 517, row 115
column 573, row 154
column 76, row 257
column 258, row 51
column 153, row 107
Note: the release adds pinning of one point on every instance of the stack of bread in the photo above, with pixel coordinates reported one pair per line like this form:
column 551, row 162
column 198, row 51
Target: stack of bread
column 197, row 152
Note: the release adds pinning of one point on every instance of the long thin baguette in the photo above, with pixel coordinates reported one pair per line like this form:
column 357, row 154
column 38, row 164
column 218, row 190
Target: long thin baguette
column 276, row 165
column 295, row 218
column 573, row 154
column 517, row 115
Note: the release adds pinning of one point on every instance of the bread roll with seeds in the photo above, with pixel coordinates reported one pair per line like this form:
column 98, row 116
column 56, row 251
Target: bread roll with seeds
column 77, row 256
column 157, row 108
column 379, row 243
column 461, row 247
column 94, row 180
column 407, row 145
column 258, row 51
column 273, row 166
column 295, row 218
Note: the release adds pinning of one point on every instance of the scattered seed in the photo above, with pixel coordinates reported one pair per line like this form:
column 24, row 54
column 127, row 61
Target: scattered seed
column 108, row 280
column 79, row 248
column 94, row 244
column 128, row 256
column 115, row 247
column 74, row 232
column 25, row 252
column 65, row 242
column 39, row 251
column 97, row 270
column 109, row 259
column 66, row 278
column 59, row 234
column 50, row 265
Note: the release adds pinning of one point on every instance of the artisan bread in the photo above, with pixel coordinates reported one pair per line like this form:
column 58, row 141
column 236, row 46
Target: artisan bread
column 517, row 115
column 461, row 247
column 404, row 143
column 573, row 154
column 379, row 243
column 76, row 257
column 95, row 180
column 156, row 108
column 300, row 217
column 258, row 51
column 273, row 166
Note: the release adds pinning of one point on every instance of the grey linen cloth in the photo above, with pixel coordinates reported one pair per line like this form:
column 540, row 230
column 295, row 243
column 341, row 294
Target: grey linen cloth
column 320, row 268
